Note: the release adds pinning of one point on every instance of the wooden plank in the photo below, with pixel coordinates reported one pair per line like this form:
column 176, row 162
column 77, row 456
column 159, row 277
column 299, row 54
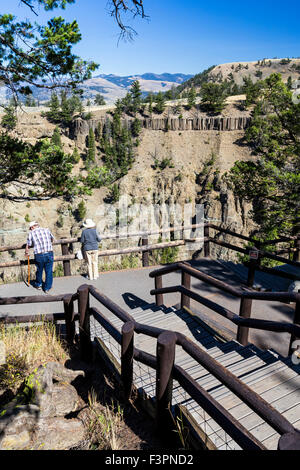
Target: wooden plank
column 196, row 368
column 260, row 381
column 279, row 392
column 238, row 369
column 230, row 359
column 225, row 404
column 194, row 429
column 239, row 360
column 272, row 442
column 210, row 378
column 264, row 431
column 206, row 426
column 252, row 421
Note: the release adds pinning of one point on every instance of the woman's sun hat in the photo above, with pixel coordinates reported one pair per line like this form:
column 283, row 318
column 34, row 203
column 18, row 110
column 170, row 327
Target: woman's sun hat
column 89, row 223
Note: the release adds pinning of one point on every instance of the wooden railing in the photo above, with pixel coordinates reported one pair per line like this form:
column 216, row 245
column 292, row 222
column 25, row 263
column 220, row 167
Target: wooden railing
column 145, row 248
column 293, row 249
column 165, row 366
column 256, row 251
column 243, row 320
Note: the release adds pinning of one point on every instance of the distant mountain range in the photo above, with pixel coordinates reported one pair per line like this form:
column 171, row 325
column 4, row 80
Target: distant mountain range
column 113, row 87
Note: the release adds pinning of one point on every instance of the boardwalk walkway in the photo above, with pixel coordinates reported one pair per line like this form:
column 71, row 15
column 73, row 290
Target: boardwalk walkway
column 273, row 377
column 262, row 366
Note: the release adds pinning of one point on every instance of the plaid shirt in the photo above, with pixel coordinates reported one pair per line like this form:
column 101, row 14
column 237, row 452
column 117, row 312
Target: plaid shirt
column 41, row 240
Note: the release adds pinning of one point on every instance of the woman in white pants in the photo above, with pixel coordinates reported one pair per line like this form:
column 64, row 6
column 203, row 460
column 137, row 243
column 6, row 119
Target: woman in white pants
column 90, row 240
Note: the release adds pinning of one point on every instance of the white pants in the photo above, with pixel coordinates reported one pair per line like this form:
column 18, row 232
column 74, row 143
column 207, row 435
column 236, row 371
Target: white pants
column 91, row 258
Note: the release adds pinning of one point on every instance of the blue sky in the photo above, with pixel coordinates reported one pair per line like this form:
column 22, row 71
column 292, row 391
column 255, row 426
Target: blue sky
column 184, row 36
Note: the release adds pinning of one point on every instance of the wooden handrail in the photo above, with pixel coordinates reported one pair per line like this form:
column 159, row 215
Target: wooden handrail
column 117, row 251
column 34, row 299
column 279, row 327
column 117, row 236
column 247, row 293
column 66, row 256
column 243, row 320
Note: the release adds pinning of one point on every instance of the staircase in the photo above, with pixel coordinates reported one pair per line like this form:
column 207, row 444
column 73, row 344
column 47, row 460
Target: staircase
column 273, row 377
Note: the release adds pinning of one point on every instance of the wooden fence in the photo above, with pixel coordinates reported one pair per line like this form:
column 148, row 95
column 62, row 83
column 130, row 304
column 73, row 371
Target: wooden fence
column 67, row 249
column 254, row 249
column 243, row 320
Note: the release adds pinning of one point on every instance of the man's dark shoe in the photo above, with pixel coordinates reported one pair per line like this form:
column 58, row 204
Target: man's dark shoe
column 38, row 287
column 47, row 291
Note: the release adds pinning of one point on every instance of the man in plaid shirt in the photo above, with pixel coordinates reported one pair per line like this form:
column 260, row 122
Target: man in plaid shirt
column 41, row 240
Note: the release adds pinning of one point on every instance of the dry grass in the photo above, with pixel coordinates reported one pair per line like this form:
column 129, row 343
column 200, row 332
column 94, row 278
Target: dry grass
column 26, row 349
column 105, row 424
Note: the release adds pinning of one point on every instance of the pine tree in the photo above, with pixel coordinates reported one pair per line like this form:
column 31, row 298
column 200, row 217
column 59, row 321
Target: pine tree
column 191, row 99
column 136, row 127
column 159, row 102
column 99, row 100
column 30, row 101
column 75, row 104
column 271, row 181
column 9, row 118
column 91, row 147
column 75, row 155
column 66, row 113
column 56, row 139
column 126, row 103
column 213, row 97
column 54, row 113
column 136, row 95
column 150, row 99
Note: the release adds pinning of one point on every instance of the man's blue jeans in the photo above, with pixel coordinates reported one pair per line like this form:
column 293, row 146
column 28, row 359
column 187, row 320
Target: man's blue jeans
column 44, row 261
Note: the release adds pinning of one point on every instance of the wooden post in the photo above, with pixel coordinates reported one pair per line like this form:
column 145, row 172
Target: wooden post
column 66, row 263
column 69, row 318
column 296, row 321
column 166, row 343
column 289, row 441
column 84, row 323
column 159, row 298
column 296, row 256
column 245, row 312
column 206, row 242
column 145, row 254
column 185, row 282
column 127, row 357
column 246, row 304
column 253, row 263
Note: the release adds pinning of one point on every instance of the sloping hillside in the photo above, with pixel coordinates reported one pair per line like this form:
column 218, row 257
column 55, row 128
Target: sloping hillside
column 256, row 70
column 236, row 71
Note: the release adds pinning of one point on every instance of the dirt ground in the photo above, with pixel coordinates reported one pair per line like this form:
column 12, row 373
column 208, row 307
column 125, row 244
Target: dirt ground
column 134, row 431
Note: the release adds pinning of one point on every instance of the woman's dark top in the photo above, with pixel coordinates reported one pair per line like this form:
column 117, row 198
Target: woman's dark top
column 90, row 239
